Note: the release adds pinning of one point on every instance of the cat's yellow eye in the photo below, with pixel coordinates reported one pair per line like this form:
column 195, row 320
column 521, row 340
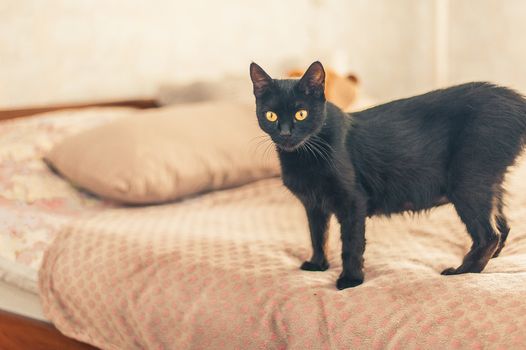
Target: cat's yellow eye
column 301, row 115
column 271, row 116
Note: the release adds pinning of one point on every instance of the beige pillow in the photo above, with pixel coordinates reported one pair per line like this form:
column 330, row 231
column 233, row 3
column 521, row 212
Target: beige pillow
column 165, row 154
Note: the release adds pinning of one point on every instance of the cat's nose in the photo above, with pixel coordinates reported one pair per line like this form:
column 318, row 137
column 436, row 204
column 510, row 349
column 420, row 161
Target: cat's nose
column 285, row 130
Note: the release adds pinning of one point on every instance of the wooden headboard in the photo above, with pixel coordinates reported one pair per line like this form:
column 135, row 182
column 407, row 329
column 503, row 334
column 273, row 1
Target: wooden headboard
column 24, row 112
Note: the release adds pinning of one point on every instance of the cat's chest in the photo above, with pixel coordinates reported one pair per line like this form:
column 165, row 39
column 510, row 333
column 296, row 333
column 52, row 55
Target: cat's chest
column 305, row 181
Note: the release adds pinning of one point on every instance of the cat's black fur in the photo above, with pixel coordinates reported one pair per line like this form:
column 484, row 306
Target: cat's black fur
column 451, row 145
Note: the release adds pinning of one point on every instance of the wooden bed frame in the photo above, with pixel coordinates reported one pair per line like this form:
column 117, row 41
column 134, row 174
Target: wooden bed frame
column 24, row 333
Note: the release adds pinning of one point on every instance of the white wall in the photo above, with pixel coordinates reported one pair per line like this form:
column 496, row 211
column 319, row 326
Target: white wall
column 64, row 51
column 488, row 41
column 83, row 50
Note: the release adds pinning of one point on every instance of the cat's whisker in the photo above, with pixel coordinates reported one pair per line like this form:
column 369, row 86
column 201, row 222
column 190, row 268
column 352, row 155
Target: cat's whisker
column 261, row 141
column 302, row 150
column 268, row 151
column 258, row 138
column 312, row 151
column 265, row 149
column 319, row 148
column 319, row 139
column 262, row 149
column 309, row 149
column 325, row 146
column 317, row 152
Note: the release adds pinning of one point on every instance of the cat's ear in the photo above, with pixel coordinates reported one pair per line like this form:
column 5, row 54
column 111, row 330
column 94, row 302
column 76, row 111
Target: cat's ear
column 260, row 79
column 313, row 81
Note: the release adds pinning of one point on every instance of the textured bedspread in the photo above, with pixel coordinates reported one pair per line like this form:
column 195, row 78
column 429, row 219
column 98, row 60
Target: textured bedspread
column 34, row 202
column 221, row 272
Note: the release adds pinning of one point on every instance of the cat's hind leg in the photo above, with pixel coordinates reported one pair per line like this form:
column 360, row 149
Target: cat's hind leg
column 476, row 210
column 501, row 223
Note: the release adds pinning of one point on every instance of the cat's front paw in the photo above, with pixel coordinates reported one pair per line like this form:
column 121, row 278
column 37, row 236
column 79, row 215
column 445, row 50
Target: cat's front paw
column 348, row 282
column 312, row 266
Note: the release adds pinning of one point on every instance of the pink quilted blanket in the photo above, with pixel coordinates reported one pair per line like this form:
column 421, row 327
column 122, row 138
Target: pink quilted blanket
column 34, row 202
column 221, row 271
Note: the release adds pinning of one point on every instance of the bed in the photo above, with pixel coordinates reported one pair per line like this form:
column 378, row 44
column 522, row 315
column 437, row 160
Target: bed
column 221, row 270
column 34, row 206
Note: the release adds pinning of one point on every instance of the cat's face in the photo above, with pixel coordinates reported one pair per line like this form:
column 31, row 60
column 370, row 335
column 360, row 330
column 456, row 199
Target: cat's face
column 290, row 111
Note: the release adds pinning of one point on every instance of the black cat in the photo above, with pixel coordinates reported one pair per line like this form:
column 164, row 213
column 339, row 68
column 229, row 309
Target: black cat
column 447, row 146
